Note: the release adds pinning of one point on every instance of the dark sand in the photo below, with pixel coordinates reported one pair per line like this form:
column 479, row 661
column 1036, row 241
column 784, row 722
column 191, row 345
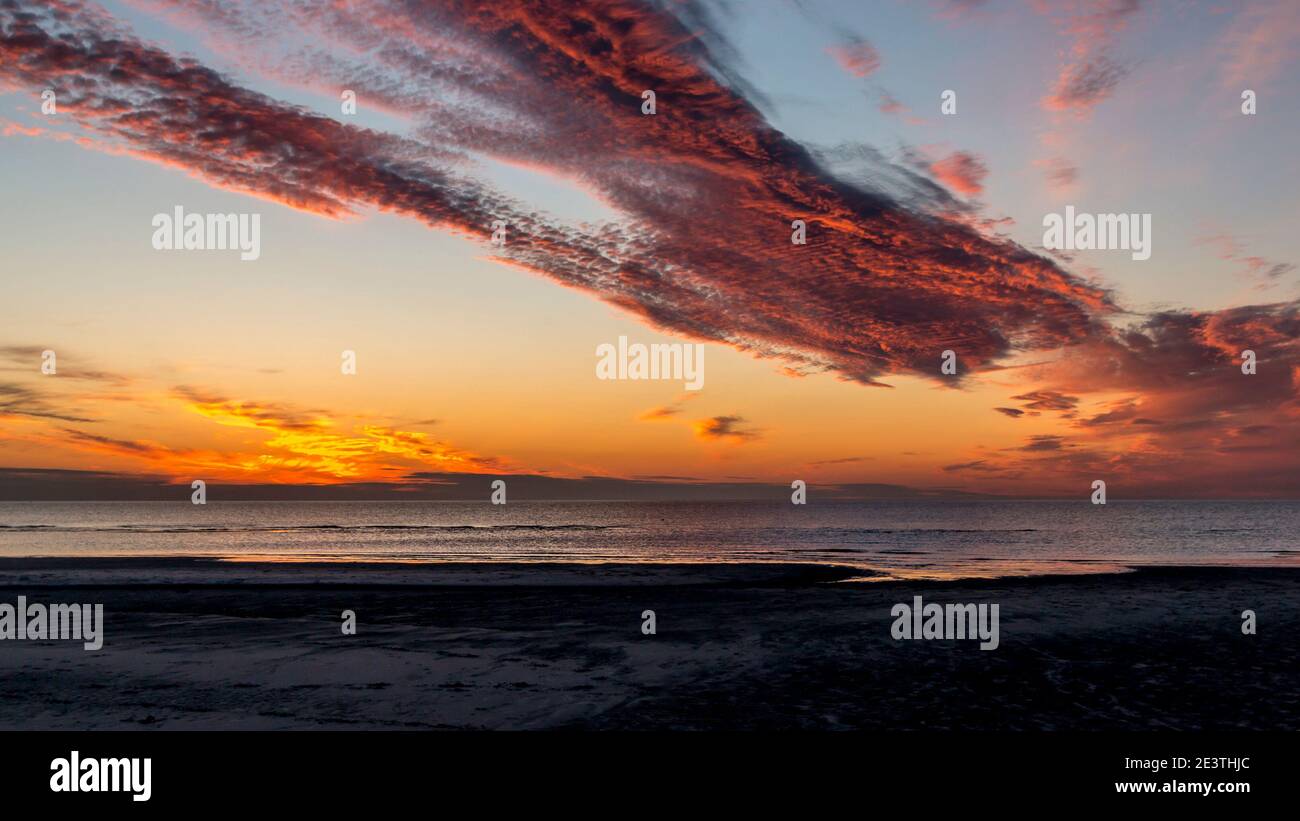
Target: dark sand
column 195, row 644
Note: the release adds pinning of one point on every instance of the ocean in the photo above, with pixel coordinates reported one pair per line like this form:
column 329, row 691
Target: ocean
column 896, row 538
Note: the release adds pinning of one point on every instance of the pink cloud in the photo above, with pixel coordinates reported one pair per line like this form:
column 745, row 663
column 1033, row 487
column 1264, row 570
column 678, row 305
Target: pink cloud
column 858, row 58
column 961, row 171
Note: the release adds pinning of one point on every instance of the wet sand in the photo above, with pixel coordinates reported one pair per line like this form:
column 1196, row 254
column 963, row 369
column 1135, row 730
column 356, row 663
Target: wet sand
column 199, row 644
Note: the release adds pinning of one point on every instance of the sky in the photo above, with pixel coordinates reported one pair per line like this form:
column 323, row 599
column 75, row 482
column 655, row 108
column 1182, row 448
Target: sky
column 924, row 234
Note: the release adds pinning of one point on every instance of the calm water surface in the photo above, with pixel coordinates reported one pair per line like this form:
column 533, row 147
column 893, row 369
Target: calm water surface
column 901, row 538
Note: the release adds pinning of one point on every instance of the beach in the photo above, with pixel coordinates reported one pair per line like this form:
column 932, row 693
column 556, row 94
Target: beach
column 208, row 644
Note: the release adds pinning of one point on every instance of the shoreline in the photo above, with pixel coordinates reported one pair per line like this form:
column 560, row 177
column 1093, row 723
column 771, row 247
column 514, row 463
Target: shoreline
column 112, row 571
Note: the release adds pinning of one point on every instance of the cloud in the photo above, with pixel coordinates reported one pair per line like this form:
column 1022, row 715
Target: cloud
column 725, row 428
column 1089, row 74
column 1044, row 442
column 1061, row 174
column 857, row 57
column 660, row 413
column 1259, row 45
column 296, row 446
column 310, row 443
column 1177, row 414
column 979, row 465
column 888, row 104
column 1229, row 248
column 1080, row 86
column 703, row 248
column 59, row 396
column 1267, row 268
column 844, row 461
column 666, row 412
column 1048, row 400
column 251, row 414
column 28, row 359
column 108, row 444
column 961, row 171
column 17, row 400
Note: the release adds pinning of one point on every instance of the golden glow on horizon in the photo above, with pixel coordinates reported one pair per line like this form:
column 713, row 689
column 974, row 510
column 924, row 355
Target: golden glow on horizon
column 816, row 428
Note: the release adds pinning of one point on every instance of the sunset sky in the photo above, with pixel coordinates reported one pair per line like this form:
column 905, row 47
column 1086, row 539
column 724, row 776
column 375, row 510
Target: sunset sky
column 822, row 360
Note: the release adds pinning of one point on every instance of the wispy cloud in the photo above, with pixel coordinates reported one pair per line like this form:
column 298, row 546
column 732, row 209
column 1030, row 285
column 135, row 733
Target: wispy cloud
column 961, row 171
column 856, row 56
column 704, row 210
column 726, row 428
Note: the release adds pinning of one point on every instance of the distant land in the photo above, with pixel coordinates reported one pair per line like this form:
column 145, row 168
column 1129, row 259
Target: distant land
column 55, row 485
column 59, row 485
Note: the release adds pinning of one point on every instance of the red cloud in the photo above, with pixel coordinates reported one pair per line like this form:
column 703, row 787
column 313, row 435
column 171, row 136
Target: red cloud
column 704, row 251
column 961, row 171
